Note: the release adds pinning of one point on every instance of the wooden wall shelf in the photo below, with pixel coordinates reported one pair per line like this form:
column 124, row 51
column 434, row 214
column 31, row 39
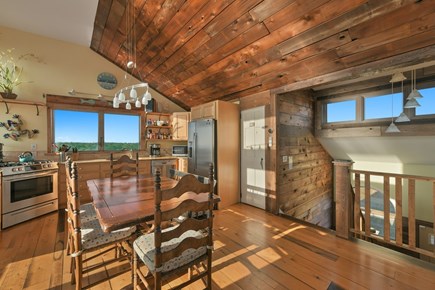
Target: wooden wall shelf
column 36, row 104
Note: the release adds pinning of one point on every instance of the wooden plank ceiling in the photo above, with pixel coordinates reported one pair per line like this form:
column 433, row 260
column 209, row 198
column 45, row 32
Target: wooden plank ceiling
column 198, row 51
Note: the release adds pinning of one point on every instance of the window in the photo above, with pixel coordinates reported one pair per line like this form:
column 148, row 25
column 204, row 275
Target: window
column 341, row 111
column 76, row 129
column 427, row 103
column 379, row 107
column 80, row 129
column 121, row 132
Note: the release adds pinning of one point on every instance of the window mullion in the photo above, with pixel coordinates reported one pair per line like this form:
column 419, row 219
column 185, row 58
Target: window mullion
column 100, row 131
column 359, row 109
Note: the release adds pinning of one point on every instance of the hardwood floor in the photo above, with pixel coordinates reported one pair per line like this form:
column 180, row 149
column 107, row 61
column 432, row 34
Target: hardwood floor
column 253, row 250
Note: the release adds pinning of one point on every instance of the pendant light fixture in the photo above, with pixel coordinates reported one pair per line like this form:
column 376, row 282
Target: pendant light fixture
column 414, row 95
column 397, row 77
column 131, row 90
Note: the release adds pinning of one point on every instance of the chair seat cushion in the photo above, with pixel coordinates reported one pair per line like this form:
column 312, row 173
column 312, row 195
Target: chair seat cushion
column 93, row 236
column 144, row 247
column 87, row 212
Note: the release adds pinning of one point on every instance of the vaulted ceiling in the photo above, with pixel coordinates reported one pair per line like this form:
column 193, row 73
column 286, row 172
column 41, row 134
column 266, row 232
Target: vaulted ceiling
column 198, row 51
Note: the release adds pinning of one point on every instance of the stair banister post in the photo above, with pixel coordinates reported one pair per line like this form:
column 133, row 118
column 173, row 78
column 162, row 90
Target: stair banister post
column 342, row 187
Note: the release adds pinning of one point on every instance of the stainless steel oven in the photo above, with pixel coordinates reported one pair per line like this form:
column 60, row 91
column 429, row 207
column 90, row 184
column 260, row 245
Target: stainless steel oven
column 28, row 192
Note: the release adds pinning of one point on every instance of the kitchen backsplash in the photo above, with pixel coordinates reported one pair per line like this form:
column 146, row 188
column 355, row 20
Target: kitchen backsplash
column 165, row 150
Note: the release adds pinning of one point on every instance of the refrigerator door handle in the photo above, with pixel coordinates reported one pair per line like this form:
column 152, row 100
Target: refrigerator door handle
column 195, row 140
column 261, row 163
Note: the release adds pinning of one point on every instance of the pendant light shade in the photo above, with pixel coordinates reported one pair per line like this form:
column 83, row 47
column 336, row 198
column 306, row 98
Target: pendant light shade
column 115, row 102
column 133, row 93
column 392, row 128
column 402, row 118
column 121, row 97
column 397, row 77
column 412, row 103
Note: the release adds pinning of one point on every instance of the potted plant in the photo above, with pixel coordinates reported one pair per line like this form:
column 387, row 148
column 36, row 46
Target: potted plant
column 9, row 74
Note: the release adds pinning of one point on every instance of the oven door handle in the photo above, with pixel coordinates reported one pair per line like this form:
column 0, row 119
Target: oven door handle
column 28, row 175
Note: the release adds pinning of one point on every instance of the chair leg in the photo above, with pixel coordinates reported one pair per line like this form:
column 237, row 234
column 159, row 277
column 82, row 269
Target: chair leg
column 209, row 272
column 134, row 270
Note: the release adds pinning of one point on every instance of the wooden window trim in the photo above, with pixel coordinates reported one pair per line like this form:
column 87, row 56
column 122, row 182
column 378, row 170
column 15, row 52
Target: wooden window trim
column 74, row 104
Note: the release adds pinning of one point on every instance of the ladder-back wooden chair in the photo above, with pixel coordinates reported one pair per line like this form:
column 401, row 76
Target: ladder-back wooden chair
column 187, row 245
column 124, row 165
column 86, row 236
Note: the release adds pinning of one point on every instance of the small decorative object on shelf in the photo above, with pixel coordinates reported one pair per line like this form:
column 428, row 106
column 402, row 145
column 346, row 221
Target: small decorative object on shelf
column 15, row 128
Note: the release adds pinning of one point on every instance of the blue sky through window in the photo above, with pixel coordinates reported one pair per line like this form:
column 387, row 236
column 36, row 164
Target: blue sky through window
column 380, row 106
column 75, row 126
column 427, row 102
column 121, row 128
column 341, row 111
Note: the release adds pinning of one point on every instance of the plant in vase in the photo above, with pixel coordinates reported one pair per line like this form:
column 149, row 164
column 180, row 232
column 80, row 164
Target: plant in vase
column 9, row 74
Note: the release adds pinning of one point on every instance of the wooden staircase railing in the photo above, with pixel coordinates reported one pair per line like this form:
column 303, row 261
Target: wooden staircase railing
column 352, row 219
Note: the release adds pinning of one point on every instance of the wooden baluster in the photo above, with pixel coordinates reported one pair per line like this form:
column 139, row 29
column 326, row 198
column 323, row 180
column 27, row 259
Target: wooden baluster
column 399, row 239
column 367, row 204
column 342, row 198
column 357, row 205
column 411, row 213
column 387, row 208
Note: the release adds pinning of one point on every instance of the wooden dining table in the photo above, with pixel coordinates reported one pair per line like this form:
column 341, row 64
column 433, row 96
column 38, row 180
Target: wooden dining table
column 127, row 200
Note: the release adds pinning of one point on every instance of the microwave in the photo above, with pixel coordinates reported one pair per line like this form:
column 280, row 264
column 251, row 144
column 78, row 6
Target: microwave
column 179, row 150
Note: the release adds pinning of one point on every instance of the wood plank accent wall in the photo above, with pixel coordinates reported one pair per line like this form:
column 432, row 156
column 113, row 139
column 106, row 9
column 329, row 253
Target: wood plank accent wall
column 305, row 190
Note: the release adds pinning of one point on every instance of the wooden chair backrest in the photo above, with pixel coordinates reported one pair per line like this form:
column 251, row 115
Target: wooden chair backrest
column 192, row 196
column 124, row 165
column 73, row 205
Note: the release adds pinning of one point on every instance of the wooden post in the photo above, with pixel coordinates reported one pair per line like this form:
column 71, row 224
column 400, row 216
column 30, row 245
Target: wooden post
column 342, row 197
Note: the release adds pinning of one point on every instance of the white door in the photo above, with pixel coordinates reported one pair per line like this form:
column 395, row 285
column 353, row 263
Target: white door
column 253, row 143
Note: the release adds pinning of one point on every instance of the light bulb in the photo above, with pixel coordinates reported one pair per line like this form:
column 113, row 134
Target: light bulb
column 128, row 106
column 137, row 103
column 133, row 93
column 130, row 64
column 121, row 97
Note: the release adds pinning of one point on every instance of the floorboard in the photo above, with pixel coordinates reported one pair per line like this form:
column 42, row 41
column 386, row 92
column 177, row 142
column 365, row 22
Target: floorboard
column 253, row 250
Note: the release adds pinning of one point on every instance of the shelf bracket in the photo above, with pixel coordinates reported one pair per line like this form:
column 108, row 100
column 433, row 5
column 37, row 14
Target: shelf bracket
column 37, row 109
column 7, row 107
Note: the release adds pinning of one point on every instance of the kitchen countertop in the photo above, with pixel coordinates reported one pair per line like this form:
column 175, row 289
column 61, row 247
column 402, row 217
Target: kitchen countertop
column 140, row 158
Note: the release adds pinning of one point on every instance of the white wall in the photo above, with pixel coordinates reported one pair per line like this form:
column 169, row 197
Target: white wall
column 54, row 67
column 403, row 155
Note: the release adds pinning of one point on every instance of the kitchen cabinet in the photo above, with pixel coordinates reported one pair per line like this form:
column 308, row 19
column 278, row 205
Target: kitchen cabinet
column 86, row 171
column 158, row 126
column 90, row 170
column 180, row 123
column 182, row 164
column 203, row 111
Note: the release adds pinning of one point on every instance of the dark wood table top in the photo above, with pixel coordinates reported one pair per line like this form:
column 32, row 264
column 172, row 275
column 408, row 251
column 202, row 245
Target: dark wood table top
column 125, row 201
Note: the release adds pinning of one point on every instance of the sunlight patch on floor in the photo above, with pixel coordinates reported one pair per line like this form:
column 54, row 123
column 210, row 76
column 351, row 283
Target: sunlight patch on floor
column 234, row 255
column 269, row 254
column 284, row 233
column 235, row 271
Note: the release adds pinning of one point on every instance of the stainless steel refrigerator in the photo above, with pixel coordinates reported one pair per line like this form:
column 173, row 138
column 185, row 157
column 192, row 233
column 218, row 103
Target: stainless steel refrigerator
column 202, row 146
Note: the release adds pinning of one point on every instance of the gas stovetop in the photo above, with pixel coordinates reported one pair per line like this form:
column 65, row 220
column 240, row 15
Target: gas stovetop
column 12, row 167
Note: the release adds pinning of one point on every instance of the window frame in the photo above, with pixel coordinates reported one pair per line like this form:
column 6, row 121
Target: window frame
column 322, row 101
column 70, row 104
